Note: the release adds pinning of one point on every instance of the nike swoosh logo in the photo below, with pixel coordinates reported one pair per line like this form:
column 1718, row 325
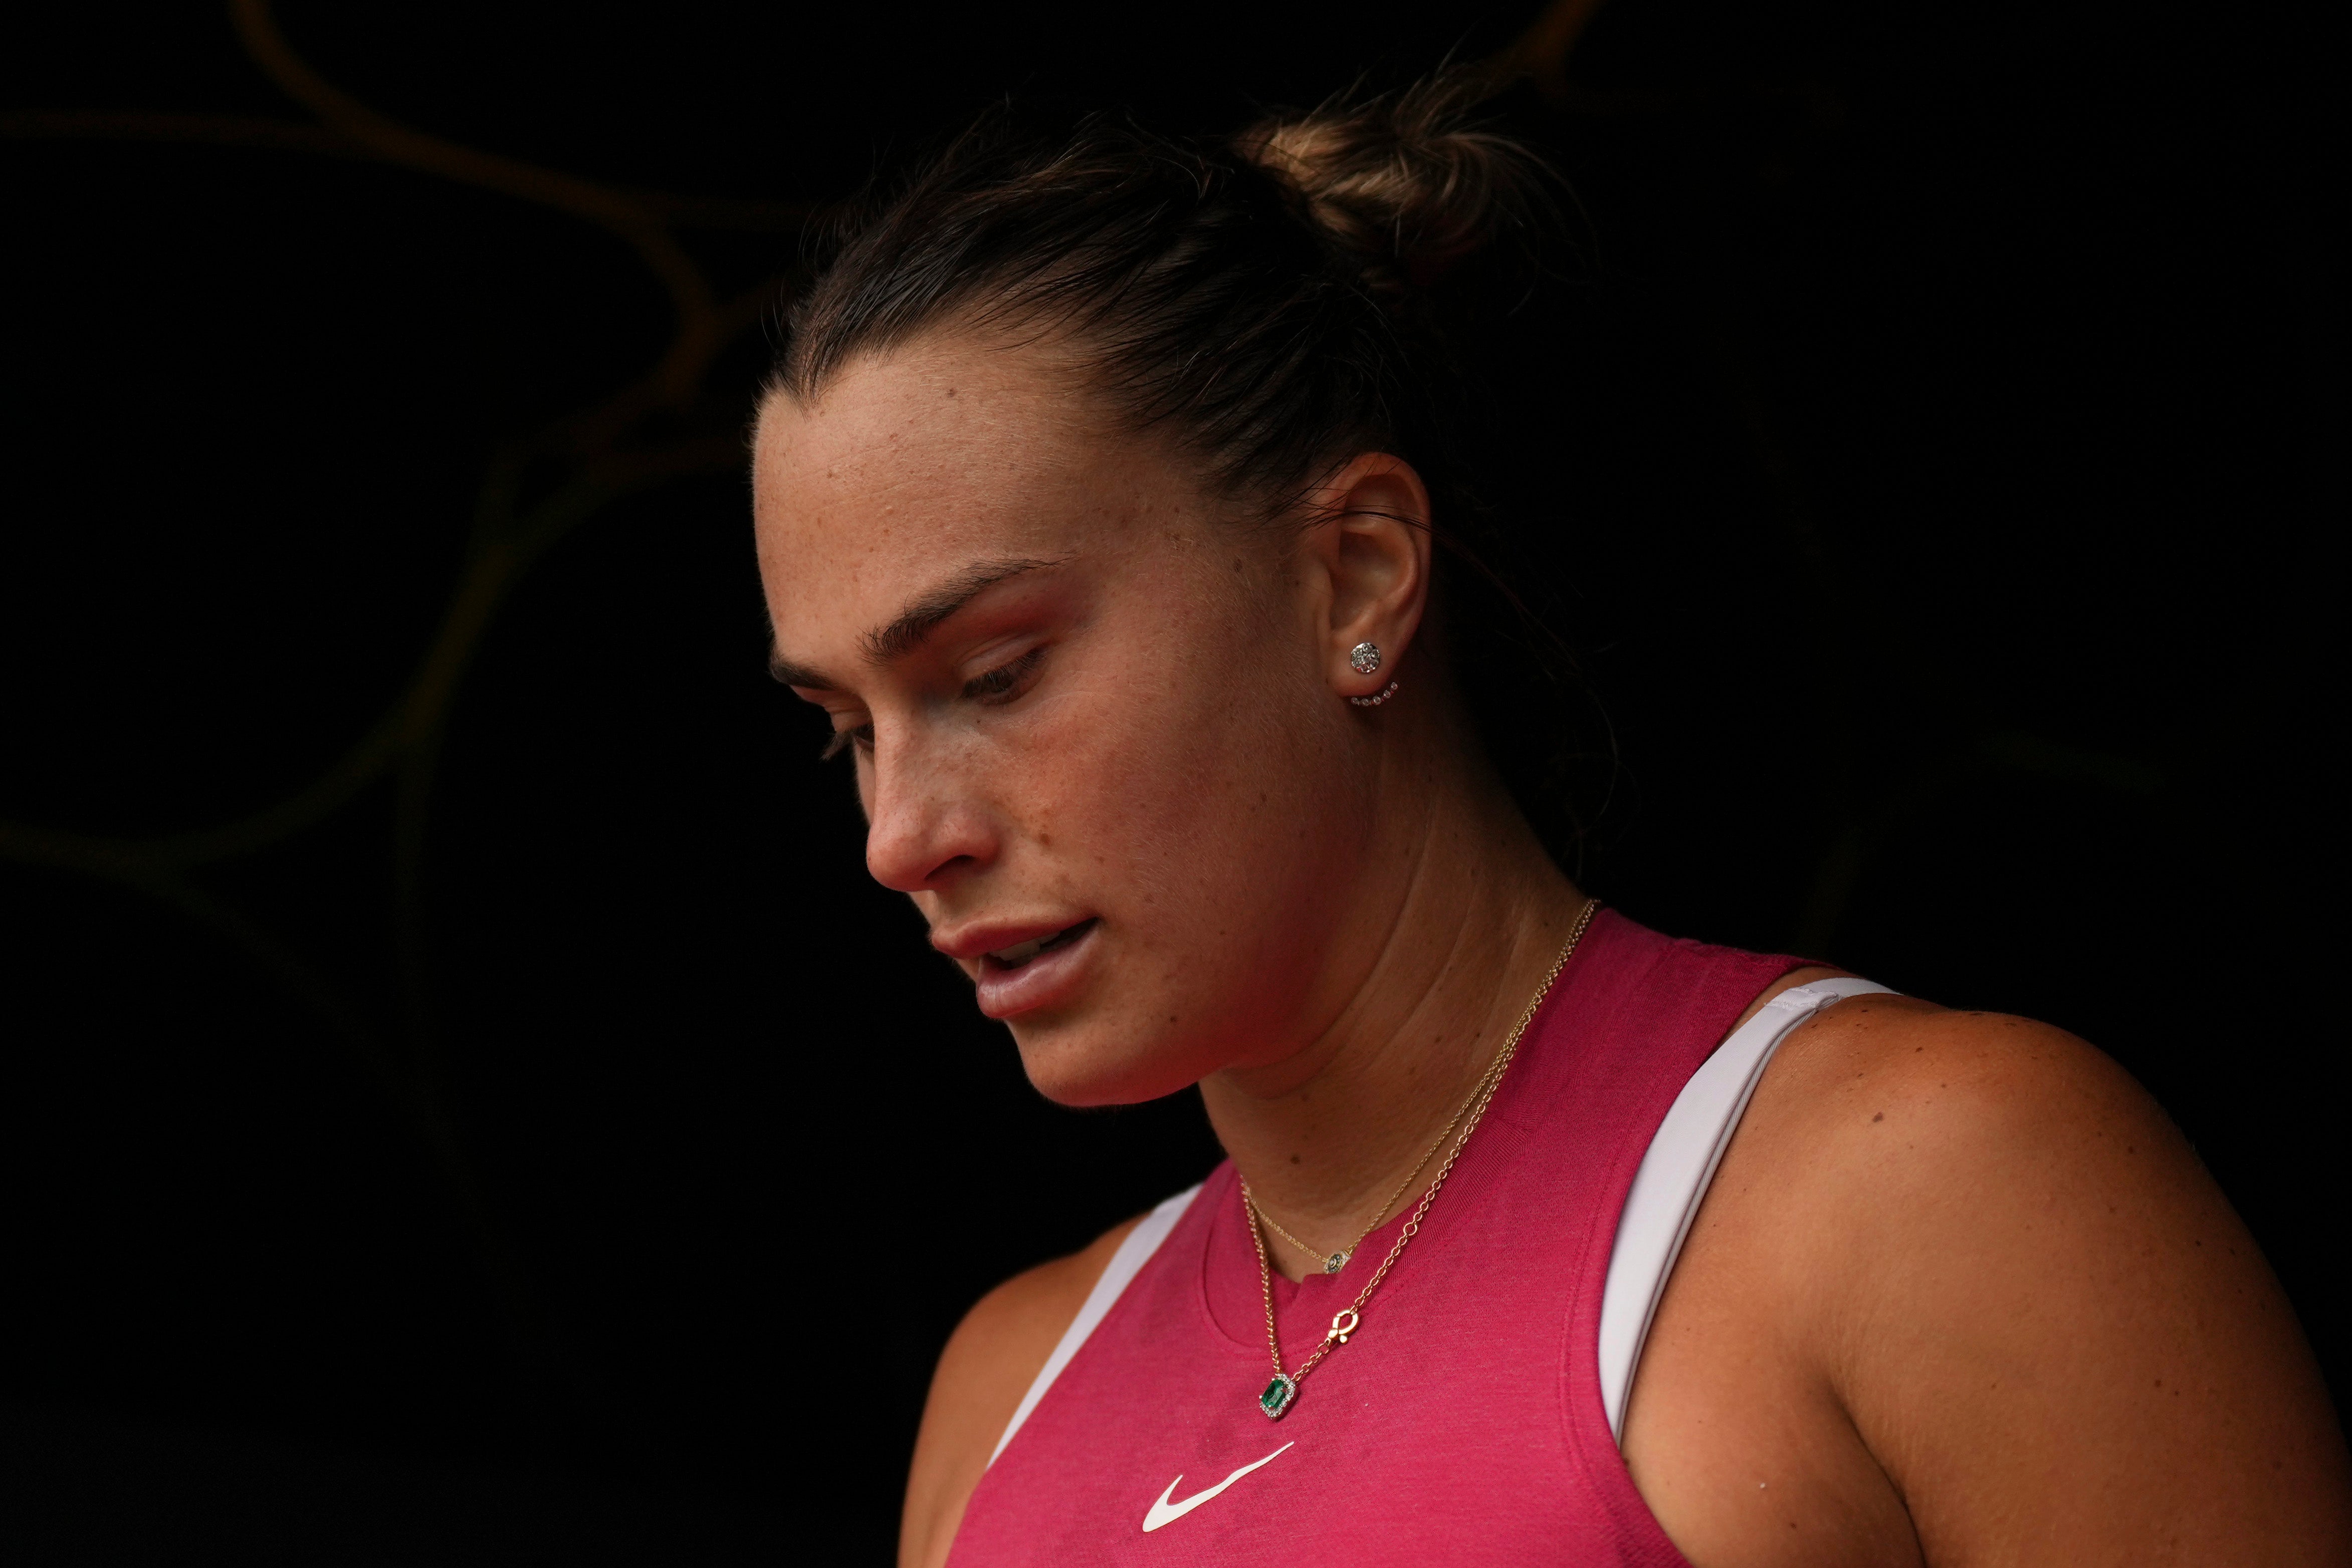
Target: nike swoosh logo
column 1165, row 1513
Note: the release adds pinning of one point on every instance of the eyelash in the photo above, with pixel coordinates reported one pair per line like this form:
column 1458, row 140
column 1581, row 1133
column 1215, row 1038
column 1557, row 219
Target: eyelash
column 842, row 740
column 1001, row 684
column 994, row 687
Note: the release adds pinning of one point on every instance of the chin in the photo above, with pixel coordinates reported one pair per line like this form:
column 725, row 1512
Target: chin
column 1100, row 1062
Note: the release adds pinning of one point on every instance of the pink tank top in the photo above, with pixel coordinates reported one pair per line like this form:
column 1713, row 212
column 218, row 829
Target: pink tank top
column 1463, row 1423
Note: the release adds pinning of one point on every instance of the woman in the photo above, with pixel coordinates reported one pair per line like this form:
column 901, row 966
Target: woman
column 1105, row 502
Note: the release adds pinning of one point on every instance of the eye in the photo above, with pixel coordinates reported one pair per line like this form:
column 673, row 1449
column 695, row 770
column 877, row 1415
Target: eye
column 1005, row 682
column 843, row 739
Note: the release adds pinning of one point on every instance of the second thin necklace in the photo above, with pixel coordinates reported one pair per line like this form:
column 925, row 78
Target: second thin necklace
column 1283, row 1392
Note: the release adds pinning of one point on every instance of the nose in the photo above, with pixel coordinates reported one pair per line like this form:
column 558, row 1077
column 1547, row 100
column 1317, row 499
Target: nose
column 924, row 828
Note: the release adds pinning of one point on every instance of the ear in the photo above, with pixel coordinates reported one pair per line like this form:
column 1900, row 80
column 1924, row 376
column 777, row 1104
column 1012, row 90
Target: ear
column 1369, row 535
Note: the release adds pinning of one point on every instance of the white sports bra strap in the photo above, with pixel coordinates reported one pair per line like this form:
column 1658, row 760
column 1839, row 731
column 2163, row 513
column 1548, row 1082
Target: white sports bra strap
column 1675, row 1175
column 1125, row 1264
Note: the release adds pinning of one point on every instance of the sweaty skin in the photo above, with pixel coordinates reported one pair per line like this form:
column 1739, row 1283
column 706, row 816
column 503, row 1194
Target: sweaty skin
column 1959, row 1294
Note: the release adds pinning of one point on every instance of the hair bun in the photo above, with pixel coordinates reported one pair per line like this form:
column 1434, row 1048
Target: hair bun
column 1407, row 183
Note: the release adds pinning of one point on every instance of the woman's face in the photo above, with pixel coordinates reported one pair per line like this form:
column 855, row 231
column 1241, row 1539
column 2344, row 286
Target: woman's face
column 1090, row 711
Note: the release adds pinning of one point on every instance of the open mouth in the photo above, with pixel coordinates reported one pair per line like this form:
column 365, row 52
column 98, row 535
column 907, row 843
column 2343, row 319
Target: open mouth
column 1006, row 959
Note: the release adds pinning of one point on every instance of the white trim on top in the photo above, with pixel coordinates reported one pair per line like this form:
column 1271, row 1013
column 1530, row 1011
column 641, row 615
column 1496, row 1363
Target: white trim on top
column 1675, row 1175
column 1133, row 1253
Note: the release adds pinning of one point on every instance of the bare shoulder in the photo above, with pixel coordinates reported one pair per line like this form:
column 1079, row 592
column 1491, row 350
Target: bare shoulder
column 1980, row 1254
column 1893, row 1118
column 1884, row 1087
column 989, row 1362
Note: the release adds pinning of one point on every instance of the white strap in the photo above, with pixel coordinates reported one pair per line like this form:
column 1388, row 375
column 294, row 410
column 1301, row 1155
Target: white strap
column 1675, row 1175
column 1125, row 1264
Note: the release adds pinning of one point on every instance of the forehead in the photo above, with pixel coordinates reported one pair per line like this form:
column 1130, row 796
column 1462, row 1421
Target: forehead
column 943, row 447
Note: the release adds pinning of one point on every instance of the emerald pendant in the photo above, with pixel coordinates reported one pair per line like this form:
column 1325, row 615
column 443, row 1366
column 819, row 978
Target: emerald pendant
column 1334, row 1263
column 1278, row 1396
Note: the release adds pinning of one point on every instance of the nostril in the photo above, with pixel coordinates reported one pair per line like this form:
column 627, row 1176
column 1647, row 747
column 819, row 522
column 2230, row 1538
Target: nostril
column 952, row 867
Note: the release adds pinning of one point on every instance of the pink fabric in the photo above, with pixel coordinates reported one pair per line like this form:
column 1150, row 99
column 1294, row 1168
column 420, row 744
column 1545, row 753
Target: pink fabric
column 1463, row 1423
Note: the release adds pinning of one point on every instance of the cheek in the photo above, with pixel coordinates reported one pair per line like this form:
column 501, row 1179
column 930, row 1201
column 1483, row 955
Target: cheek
column 1208, row 813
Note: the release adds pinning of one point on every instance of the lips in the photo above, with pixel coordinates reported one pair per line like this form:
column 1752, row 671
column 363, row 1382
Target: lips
column 1020, row 953
column 1034, row 972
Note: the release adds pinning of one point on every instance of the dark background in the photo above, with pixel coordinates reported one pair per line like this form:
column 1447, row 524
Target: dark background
column 460, row 1100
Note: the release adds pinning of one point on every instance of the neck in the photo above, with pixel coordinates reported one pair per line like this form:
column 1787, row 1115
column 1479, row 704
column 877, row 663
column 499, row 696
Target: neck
column 1452, row 943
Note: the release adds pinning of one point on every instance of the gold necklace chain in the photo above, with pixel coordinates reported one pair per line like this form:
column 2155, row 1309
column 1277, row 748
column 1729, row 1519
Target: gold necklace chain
column 1334, row 1262
column 1283, row 1391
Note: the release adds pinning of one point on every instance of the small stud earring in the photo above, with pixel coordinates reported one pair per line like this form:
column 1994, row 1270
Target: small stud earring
column 1364, row 658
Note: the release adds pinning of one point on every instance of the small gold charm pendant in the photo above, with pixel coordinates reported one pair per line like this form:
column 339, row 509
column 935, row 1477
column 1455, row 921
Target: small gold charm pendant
column 1334, row 1263
column 1343, row 1323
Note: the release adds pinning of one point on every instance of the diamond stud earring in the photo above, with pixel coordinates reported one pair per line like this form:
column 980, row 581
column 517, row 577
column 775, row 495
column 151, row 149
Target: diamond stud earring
column 1364, row 658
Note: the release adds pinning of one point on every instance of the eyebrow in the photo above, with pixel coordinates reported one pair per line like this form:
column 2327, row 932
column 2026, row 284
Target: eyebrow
column 904, row 634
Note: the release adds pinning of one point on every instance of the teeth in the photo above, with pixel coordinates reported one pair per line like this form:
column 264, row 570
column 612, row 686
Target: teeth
column 1021, row 952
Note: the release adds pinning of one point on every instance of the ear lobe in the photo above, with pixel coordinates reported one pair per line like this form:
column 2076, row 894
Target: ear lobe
column 1376, row 550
